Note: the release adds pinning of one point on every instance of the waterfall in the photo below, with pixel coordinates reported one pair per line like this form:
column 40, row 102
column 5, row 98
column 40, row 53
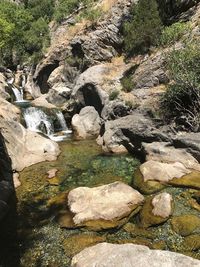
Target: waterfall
column 62, row 122
column 37, row 121
column 19, row 94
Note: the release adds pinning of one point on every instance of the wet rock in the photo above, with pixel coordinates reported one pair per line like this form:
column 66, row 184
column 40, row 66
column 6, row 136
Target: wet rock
column 76, row 243
column 164, row 152
column 148, row 187
column 162, row 172
column 191, row 243
column 86, row 124
column 112, row 255
column 156, row 210
column 191, row 180
column 185, row 224
column 135, row 231
column 105, row 206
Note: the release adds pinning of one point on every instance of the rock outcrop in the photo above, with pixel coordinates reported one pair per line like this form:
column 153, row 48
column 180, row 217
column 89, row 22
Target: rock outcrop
column 111, row 255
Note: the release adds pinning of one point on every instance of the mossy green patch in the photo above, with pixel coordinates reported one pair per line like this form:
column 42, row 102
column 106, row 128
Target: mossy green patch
column 186, row 224
column 191, row 180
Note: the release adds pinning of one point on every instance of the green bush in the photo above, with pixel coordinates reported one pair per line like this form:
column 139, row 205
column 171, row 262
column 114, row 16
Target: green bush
column 174, row 33
column 92, row 14
column 113, row 95
column 181, row 102
column 144, row 28
column 127, row 84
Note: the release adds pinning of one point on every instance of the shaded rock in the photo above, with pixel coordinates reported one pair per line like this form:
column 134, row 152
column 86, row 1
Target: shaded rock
column 164, row 152
column 114, row 110
column 86, row 124
column 191, row 180
column 162, row 172
column 112, row 255
column 75, row 243
column 156, row 210
column 185, row 224
column 104, row 206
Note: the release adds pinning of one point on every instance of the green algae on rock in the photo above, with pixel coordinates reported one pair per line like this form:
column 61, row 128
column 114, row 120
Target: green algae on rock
column 76, row 243
column 148, row 187
column 191, row 180
column 191, row 243
column 155, row 212
column 185, row 224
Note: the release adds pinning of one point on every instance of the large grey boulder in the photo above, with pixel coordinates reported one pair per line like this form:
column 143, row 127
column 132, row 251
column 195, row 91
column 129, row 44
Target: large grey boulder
column 130, row 131
column 86, row 124
column 129, row 255
column 108, row 203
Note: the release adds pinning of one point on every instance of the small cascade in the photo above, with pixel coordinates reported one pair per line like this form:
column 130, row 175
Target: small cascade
column 37, row 121
column 62, row 122
column 19, row 94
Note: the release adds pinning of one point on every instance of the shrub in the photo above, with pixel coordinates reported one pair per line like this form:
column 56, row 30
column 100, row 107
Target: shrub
column 174, row 33
column 181, row 102
column 144, row 28
column 113, row 95
column 92, row 14
column 127, row 84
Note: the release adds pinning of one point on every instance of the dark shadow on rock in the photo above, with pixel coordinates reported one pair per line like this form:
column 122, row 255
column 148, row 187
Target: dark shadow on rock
column 9, row 246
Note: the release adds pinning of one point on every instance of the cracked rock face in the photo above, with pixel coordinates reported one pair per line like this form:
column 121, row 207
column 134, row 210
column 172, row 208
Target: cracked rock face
column 129, row 255
column 108, row 202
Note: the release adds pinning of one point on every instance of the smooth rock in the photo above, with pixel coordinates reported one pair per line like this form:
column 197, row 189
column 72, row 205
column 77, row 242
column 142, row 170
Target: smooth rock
column 164, row 152
column 162, row 205
column 107, row 203
column 129, row 255
column 162, row 172
column 52, row 173
column 86, row 124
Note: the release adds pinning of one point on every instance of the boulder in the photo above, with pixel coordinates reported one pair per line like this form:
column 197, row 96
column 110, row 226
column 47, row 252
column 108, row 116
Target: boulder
column 114, row 110
column 189, row 141
column 156, row 210
column 25, row 147
column 105, row 206
column 129, row 255
column 87, row 123
column 130, row 131
column 3, row 85
column 162, row 172
column 164, row 152
column 186, row 224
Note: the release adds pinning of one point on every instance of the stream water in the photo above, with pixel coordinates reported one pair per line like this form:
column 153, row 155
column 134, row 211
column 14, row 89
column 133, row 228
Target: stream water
column 41, row 240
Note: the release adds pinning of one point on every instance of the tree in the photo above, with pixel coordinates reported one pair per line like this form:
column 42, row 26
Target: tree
column 144, row 28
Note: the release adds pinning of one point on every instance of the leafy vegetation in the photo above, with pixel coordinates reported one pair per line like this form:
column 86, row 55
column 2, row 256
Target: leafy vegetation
column 144, row 28
column 181, row 101
column 127, row 84
column 173, row 33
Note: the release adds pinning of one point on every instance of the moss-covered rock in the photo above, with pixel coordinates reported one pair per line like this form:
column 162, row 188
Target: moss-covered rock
column 191, row 243
column 186, row 224
column 148, row 187
column 191, row 180
column 76, row 243
column 134, row 230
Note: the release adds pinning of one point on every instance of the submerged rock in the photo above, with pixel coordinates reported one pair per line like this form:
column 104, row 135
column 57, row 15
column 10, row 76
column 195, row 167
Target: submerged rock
column 186, row 224
column 75, row 243
column 86, row 124
column 156, row 210
column 129, row 255
column 191, row 180
column 191, row 243
column 105, row 206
